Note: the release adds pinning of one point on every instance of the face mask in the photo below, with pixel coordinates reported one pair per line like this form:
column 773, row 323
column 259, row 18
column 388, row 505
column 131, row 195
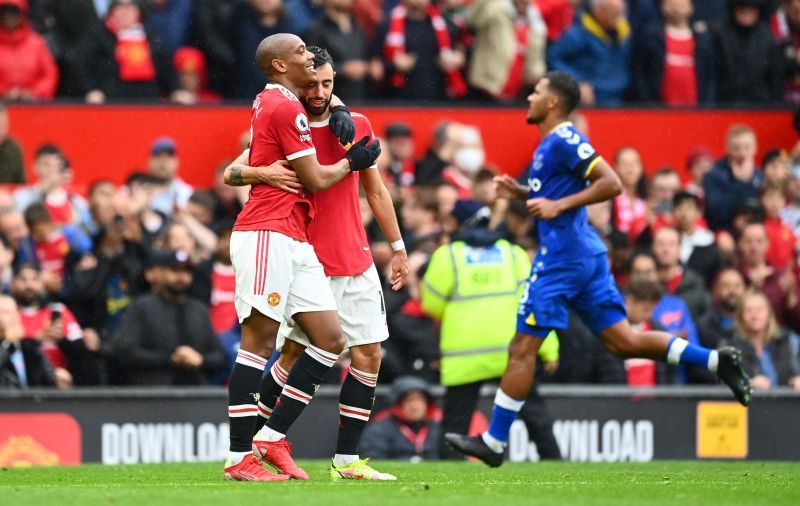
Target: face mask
column 470, row 160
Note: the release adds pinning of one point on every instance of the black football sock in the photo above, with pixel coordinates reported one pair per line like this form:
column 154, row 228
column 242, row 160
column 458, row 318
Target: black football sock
column 271, row 386
column 355, row 405
column 306, row 376
column 242, row 395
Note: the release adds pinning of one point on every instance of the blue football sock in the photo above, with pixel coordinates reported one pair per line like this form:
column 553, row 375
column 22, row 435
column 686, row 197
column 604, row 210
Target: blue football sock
column 503, row 415
column 681, row 351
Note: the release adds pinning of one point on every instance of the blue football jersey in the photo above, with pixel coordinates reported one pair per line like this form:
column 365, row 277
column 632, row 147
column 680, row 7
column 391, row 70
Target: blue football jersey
column 560, row 166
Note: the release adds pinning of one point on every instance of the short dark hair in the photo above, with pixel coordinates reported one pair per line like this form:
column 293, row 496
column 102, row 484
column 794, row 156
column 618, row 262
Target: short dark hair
column 49, row 149
column 37, row 213
column 644, row 291
column 567, row 89
column 684, row 196
column 205, row 199
column 321, row 56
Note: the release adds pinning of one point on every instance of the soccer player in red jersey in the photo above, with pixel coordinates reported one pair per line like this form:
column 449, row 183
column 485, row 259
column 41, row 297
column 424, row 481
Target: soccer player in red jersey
column 338, row 236
column 277, row 273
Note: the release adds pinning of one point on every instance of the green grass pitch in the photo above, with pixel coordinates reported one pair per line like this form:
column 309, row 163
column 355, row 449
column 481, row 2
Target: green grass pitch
column 673, row 483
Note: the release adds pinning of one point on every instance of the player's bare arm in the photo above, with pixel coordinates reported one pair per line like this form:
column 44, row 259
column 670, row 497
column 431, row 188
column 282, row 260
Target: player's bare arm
column 604, row 184
column 508, row 188
column 380, row 202
column 279, row 174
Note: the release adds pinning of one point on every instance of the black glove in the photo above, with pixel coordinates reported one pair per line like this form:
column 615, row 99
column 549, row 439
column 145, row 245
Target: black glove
column 362, row 155
column 342, row 125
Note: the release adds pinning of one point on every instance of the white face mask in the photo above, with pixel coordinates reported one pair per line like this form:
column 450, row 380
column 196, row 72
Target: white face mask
column 470, row 160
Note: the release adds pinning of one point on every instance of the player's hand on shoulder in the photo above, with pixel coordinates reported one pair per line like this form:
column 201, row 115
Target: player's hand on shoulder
column 544, row 209
column 342, row 125
column 280, row 175
column 363, row 153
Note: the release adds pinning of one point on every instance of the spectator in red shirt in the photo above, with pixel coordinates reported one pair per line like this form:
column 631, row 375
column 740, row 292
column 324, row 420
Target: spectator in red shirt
column 679, row 280
column 673, row 61
column 558, row 16
column 27, row 69
column 641, row 298
column 630, row 210
column 782, row 241
column 53, row 324
column 778, row 285
column 190, row 65
column 215, row 281
column 55, row 248
column 52, row 172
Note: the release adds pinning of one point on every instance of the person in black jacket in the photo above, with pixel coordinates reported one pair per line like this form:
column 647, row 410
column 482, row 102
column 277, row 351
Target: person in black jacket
column 120, row 58
column 717, row 325
column 22, row 363
column 749, row 66
column 699, row 251
column 410, row 429
column 165, row 337
column 664, row 64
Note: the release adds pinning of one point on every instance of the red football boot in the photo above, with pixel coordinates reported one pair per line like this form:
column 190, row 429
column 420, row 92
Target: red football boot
column 278, row 454
column 250, row 469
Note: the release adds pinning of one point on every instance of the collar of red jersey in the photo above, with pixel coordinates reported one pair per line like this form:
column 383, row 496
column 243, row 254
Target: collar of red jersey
column 318, row 124
column 275, row 86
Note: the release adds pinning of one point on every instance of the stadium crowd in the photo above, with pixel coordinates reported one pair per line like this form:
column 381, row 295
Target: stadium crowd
column 655, row 51
column 111, row 287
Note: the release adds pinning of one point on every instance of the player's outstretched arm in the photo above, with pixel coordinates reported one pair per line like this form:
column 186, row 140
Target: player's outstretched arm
column 380, row 202
column 316, row 177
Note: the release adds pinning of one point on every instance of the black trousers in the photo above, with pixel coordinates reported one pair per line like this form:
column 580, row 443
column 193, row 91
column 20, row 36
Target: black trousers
column 460, row 402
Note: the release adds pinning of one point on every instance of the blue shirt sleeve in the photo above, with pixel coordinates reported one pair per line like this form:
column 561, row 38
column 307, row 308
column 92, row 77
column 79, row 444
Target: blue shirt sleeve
column 576, row 153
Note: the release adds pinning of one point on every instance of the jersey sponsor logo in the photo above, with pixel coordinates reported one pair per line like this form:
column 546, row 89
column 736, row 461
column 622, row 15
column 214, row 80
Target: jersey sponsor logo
column 301, row 123
column 538, row 161
column 585, row 150
column 273, row 299
column 570, row 136
column 535, row 184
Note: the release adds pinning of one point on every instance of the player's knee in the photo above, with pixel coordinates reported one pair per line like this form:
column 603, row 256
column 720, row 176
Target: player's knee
column 366, row 358
column 521, row 348
column 332, row 342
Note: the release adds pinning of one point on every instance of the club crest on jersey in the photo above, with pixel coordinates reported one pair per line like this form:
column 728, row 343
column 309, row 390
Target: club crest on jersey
column 273, row 299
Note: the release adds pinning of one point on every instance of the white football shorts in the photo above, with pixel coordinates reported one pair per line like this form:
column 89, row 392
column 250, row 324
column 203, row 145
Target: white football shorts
column 277, row 275
column 362, row 312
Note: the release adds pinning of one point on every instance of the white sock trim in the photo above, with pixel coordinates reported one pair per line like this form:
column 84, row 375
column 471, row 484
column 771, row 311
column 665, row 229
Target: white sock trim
column 676, row 350
column 278, row 374
column 235, row 457
column 267, row 434
column 250, row 360
column 366, row 378
column 504, row 401
column 322, row 356
column 495, row 445
column 713, row 361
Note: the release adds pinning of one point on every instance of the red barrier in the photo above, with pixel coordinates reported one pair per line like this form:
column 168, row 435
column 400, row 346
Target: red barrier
column 110, row 142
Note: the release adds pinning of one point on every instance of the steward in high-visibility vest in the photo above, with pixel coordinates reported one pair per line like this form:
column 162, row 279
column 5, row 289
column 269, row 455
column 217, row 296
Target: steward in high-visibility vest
column 473, row 285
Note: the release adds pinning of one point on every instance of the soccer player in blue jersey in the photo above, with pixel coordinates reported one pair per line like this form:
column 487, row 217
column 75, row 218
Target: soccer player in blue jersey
column 571, row 269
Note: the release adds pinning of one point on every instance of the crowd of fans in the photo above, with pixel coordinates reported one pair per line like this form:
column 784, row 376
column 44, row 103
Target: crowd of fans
column 674, row 52
column 132, row 284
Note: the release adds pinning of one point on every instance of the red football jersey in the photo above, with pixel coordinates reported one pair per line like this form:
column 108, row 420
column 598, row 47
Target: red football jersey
column 33, row 321
column 337, row 232
column 52, row 253
column 223, row 286
column 278, row 131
